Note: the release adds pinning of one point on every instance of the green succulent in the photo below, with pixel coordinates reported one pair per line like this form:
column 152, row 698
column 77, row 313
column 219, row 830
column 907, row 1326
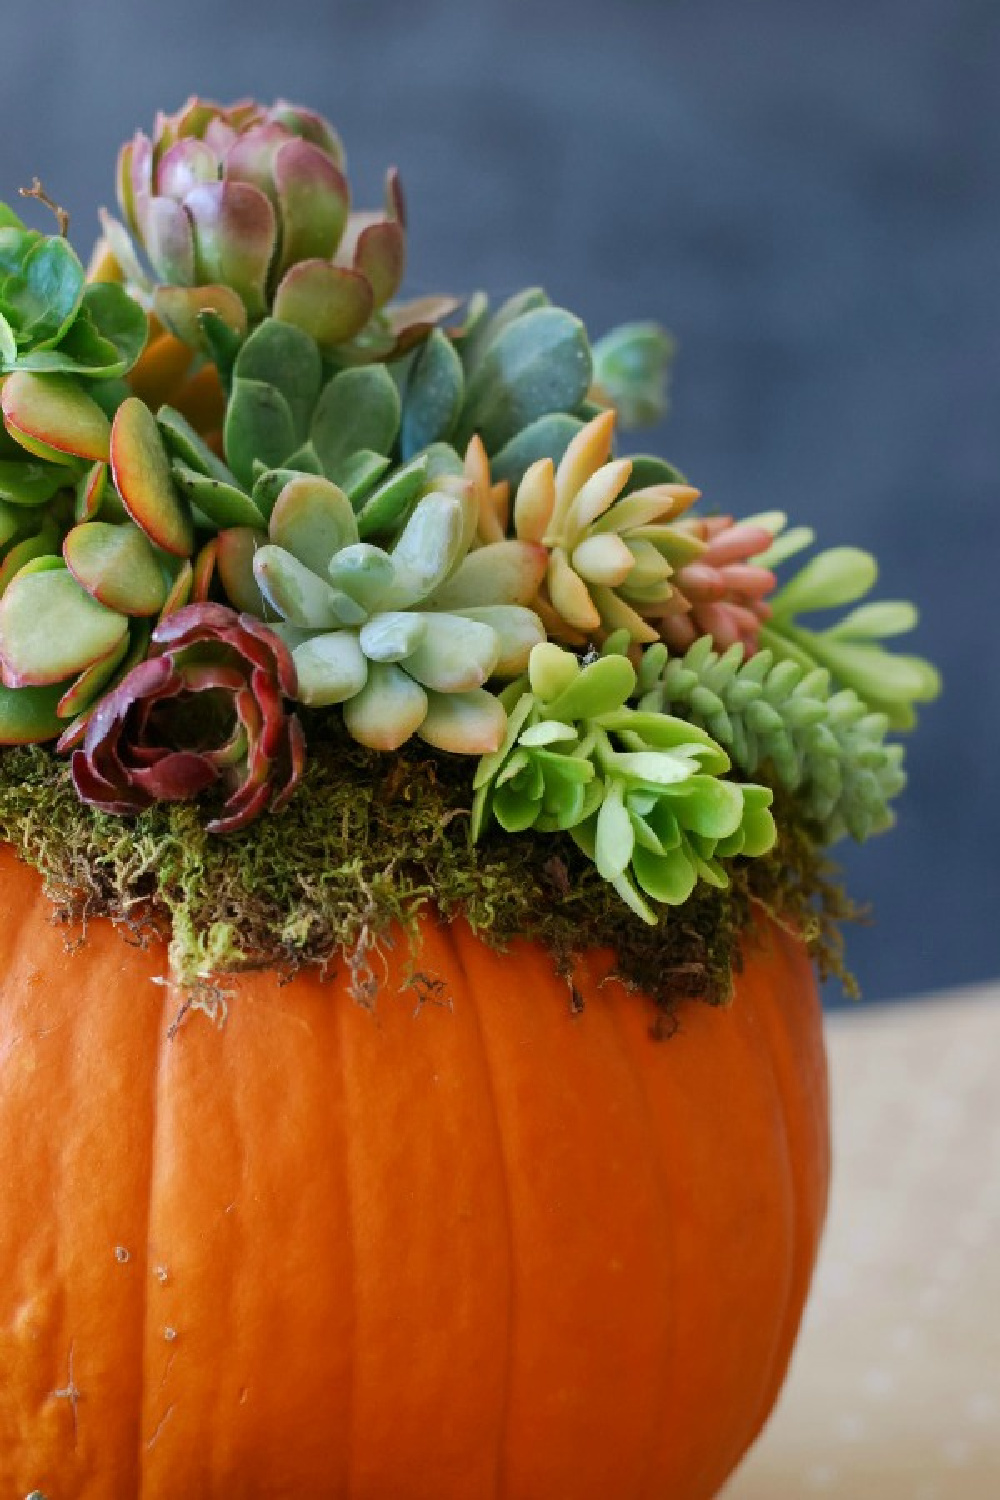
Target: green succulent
column 406, row 637
column 787, row 723
column 631, row 369
column 520, row 377
column 640, row 792
column 51, row 320
column 850, row 649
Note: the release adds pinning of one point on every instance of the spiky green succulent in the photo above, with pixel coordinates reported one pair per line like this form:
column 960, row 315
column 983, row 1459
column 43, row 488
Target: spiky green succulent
column 641, row 792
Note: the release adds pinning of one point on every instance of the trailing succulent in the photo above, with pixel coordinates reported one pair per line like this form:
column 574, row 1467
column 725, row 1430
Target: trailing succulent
column 244, row 491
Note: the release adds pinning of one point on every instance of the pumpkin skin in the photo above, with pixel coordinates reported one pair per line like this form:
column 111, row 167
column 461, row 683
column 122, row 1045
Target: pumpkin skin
column 466, row 1249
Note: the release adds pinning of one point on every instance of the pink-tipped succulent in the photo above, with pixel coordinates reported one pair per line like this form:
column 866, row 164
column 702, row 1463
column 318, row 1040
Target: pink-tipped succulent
column 722, row 593
column 204, row 713
column 244, row 210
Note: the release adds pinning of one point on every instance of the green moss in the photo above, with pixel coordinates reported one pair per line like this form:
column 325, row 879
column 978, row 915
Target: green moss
column 371, row 841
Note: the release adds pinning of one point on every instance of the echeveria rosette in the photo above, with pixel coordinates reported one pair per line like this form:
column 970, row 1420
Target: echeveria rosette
column 639, row 791
column 204, row 713
column 850, row 649
column 51, row 320
column 244, row 210
column 406, row 637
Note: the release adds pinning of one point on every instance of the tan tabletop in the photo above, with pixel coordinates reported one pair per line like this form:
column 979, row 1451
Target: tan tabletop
column 894, row 1392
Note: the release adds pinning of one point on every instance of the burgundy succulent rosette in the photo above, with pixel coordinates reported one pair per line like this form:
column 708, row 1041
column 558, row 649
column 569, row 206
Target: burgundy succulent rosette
column 205, row 711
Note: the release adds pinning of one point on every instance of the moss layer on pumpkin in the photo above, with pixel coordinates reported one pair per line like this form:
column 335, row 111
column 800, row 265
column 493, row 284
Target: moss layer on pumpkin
column 366, row 845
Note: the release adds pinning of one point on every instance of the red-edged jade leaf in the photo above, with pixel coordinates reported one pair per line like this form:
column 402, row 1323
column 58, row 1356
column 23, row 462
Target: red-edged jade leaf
column 234, row 557
column 51, row 629
column 141, row 470
column 117, row 565
column 53, row 418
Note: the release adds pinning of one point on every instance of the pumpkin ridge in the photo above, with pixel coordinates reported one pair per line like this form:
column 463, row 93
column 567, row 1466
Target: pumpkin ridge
column 722, row 1460
column 787, row 1035
column 456, row 938
column 145, row 1264
column 663, row 1179
column 351, row 1238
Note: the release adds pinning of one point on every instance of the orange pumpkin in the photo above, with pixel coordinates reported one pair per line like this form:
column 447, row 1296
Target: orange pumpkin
column 474, row 1247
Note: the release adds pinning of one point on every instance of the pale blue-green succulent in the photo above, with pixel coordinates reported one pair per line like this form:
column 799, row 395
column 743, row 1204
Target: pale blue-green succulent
column 405, row 637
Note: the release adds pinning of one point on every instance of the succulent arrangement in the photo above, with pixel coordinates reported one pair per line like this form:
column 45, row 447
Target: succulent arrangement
column 251, row 502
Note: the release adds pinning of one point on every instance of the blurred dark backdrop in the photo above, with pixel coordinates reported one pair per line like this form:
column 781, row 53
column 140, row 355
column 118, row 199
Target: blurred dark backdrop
column 807, row 194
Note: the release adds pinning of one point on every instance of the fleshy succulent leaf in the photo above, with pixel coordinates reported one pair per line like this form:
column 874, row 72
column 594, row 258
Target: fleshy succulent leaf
column 141, row 469
column 78, row 630
column 117, row 566
column 54, row 418
column 540, row 363
column 433, row 395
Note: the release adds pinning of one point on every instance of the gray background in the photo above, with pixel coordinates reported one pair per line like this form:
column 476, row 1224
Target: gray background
column 807, row 193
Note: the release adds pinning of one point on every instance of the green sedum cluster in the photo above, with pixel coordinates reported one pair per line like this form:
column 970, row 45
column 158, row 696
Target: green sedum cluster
column 242, row 485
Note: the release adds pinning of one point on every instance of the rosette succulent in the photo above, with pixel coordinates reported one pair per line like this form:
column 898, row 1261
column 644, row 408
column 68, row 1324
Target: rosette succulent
column 204, row 713
column 405, row 637
column 243, row 210
column 612, row 552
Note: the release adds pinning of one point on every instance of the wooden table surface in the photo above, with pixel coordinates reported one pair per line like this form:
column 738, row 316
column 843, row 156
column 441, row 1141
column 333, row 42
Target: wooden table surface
column 894, row 1392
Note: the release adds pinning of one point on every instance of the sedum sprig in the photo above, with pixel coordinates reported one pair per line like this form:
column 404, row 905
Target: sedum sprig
column 790, row 725
column 639, row 791
column 851, row 648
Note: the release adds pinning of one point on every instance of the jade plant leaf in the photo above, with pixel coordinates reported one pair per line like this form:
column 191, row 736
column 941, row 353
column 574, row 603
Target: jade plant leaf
column 54, row 418
column 77, row 631
column 285, row 357
column 41, row 299
column 29, row 716
column 30, row 482
column 224, row 504
column 259, row 428
column 547, row 437
column 105, row 339
column 117, row 566
column 141, row 469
